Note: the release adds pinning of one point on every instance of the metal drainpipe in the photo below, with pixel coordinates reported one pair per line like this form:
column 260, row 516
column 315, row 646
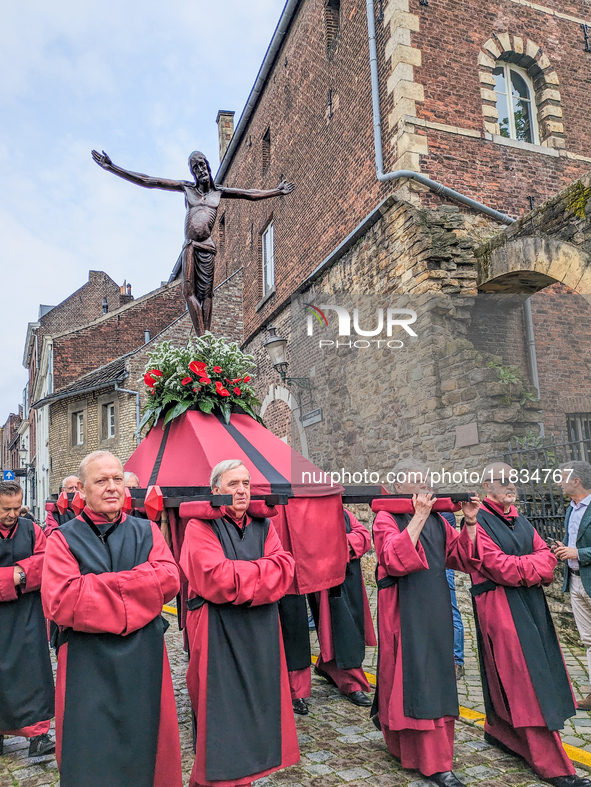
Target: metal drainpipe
column 137, row 409
column 438, row 188
column 531, row 352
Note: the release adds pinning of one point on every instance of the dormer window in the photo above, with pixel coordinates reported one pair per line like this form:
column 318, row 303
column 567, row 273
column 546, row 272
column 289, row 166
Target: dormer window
column 515, row 103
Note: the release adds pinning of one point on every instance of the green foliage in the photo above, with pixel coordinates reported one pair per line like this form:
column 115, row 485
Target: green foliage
column 512, row 376
column 209, row 373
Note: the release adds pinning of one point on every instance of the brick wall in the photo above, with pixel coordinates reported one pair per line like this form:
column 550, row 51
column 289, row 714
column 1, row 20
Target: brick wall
column 80, row 351
column 433, row 78
column 65, row 455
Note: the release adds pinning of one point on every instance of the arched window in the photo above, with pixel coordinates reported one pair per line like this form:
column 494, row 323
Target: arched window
column 516, row 103
column 332, row 20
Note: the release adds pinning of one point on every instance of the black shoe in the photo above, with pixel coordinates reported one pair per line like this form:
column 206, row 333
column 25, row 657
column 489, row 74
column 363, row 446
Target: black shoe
column 41, row 745
column 300, row 707
column 446, row 779
column 568, row 781
column 359, row 698
column 490, row 739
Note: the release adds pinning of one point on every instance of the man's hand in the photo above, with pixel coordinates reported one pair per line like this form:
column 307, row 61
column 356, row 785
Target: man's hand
column 423, row 503
column 102, row 159
column 565, row 553
column 284, row 187
column 470, row 509
column 17, row 575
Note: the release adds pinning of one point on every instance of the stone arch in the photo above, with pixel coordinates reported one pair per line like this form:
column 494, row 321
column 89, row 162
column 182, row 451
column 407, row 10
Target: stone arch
column 283, row 394
column 526, row 265
column 528, row 55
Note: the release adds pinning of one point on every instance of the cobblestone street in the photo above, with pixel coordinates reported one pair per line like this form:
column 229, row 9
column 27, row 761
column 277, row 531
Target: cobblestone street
column 338, row 743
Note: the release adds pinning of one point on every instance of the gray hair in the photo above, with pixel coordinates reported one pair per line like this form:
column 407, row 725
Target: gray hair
column 10, row 488
column 221, row 468
column 127, row 476
column 92, row 458
column 69, row 476
column 581, row 470
column 406, row 467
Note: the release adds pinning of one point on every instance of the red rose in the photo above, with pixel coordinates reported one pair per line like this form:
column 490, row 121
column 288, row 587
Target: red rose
column 198, row 367
column 217, row 369
column 247, row 379
column 237, row 391
column 186, row 380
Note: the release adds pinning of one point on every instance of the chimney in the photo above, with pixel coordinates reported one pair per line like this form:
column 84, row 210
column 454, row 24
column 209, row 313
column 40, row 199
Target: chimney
column 125, row 295
column 225, row 121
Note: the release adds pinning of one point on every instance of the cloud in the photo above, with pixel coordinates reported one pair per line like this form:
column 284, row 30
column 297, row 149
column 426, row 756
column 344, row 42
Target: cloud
column 144, row 82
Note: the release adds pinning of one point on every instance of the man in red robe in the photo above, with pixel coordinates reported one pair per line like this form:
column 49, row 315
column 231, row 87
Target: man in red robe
column 54, row 518
column 105, row 578
column 344, row 622
column 26, row 679
column 417, row 698
column 237, row 678
column 526, row 687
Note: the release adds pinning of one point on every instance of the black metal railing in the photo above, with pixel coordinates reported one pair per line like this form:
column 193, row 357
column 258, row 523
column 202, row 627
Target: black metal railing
column 536, row 461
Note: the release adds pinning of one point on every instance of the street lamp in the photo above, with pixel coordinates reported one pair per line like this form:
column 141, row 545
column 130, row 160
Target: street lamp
column 276, row 348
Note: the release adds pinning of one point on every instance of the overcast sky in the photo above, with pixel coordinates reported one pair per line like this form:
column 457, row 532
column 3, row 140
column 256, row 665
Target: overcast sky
column 142, row 81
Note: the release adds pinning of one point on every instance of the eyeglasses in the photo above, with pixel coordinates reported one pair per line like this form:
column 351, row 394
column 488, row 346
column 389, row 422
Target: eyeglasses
column 503, row 481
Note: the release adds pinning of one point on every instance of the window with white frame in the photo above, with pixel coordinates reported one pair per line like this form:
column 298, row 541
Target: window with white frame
column 268, row 260
column 109, row 420
column 78, row 428
column 516, row 103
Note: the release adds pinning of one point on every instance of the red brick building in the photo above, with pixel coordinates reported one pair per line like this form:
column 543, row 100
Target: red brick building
column 490, row 101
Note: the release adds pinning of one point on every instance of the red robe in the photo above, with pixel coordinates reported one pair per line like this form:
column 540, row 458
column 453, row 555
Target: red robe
column 118, row 603
column 359, row 540
column 521, row 725
column 32, row 568
column 423, row 744
column 217, row 579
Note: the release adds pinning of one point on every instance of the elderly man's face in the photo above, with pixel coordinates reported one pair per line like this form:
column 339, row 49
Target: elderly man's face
column 236, row 483
column 10, row 509
column 131, row 482
column 104, row 489
column 414, row 482
column 71, row 484
column 498, row 486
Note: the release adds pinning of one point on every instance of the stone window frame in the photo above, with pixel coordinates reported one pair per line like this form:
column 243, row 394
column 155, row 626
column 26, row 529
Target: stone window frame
column 73, row 409
column 529, row 56
column 102, row 402
column 268, row 228
column 524, row 74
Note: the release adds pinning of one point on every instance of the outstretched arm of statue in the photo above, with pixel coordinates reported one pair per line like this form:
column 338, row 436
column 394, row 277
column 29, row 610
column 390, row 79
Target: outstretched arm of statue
column 148, row 182
column 283, row 188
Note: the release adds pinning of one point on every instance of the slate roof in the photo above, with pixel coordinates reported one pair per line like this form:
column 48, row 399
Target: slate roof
column 104, row 377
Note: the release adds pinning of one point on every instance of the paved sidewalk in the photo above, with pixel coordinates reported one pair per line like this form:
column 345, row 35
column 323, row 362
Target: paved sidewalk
column 338, row 743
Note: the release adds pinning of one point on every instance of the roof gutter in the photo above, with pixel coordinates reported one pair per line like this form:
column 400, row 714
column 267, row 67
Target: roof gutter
column 66, row 395
column 438, row 188
column 285, row 20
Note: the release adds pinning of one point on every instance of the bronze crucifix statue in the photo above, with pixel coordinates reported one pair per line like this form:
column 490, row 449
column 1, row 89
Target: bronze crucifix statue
column 202, row 200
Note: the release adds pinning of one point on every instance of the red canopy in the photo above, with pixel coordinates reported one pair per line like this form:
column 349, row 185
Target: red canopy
column 311, row 526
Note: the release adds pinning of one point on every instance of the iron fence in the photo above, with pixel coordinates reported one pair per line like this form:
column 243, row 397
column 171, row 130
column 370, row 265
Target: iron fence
column 535, row 459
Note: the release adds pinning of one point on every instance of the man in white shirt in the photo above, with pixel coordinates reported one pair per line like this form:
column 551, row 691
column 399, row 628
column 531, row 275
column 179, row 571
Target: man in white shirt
column 576, row 483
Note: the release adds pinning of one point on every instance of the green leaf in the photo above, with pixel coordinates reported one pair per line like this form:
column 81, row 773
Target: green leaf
column 206, row 405
column 226, row 409
column 177, row 410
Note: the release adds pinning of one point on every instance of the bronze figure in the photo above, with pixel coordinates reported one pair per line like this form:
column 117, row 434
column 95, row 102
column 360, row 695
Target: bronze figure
column 202, row 200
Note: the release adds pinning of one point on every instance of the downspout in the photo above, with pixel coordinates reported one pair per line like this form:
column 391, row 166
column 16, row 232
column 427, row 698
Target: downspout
column 137, row 409
column 531, row 352
column 438, row 188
